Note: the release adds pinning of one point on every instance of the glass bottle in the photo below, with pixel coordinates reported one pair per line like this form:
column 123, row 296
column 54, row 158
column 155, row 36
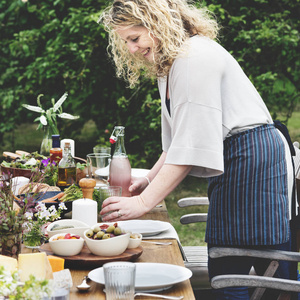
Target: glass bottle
column 119, row 168
column 66, row 169
column 55, row 151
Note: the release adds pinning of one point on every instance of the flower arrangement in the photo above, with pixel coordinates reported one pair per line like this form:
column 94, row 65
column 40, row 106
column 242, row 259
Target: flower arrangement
column 12, row 218
column 32, row 289
column 34, row 234
column 47, row 120
column 48, row 117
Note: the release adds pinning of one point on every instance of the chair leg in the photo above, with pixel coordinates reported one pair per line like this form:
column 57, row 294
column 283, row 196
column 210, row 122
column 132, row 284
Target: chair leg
column 258, row 292
column 284, row 296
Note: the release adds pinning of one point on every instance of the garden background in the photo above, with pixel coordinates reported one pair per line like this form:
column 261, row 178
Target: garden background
column 52, row 47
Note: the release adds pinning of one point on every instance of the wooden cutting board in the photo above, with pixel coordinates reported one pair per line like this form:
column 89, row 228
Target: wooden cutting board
column 87, row 260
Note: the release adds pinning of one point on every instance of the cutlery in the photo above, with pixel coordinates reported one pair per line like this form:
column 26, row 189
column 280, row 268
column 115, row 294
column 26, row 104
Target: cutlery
column 158, row 243
column 158, row 296
column 83, row 286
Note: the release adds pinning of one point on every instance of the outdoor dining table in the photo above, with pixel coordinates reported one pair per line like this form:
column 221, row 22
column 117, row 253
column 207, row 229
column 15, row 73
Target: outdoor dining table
column 152, row 253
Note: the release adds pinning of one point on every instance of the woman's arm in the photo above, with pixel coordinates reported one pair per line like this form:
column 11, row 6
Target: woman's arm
column 123, row 208
column 140, row 183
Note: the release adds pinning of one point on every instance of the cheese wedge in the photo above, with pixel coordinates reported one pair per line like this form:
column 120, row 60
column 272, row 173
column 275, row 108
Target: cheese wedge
column 36, row 264
column 10, row 264
column 57, row 263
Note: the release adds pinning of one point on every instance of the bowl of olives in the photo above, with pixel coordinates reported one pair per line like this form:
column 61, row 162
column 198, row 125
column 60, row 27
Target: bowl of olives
column 134, row 240
column 106, row 239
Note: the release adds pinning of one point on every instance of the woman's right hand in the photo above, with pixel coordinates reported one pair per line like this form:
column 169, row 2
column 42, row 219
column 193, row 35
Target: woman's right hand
column 138, row 184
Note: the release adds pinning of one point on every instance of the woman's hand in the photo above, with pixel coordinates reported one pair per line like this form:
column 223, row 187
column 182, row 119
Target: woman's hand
column 123, row 208
column 138, row 184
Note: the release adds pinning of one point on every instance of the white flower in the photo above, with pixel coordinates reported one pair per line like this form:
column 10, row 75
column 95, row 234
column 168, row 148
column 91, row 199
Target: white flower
column 52, row 208
column 34, row 108
column 62, row 206
column 29, row 215
column 43, row 120
column 67, row 116
column 30, row 162
column 59, row 103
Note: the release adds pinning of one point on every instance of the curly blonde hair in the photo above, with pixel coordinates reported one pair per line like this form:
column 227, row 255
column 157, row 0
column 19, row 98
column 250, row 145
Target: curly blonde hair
column 171, row 22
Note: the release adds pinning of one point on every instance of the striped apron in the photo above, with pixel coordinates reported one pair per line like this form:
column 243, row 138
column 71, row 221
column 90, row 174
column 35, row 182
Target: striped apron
column 249, row 201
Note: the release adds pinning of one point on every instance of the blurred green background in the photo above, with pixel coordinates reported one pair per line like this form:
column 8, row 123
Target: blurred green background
column 52, row 47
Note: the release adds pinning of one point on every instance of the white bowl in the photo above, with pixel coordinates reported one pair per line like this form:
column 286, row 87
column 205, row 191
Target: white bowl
column 108, row 247
column 136, row 241
column 66, row 247
column 79, row 227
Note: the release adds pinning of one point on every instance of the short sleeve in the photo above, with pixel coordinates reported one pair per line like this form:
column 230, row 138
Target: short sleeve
column 195, row 84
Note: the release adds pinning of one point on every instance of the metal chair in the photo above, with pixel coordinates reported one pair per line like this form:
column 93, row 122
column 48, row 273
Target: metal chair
column 196, row 256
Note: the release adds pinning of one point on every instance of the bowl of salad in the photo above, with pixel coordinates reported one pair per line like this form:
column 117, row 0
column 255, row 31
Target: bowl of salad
column 21, row 166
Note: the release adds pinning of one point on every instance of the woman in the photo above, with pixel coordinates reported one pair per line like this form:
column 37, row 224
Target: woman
column 214, row 125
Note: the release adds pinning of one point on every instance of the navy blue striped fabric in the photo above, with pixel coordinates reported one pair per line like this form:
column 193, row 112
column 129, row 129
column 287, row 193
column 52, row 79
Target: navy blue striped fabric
column 249, row 202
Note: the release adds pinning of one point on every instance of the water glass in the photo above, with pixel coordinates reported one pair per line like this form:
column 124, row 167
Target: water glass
column 101, row 149
column 98, row 165
column 119, row 278
column 109, row 191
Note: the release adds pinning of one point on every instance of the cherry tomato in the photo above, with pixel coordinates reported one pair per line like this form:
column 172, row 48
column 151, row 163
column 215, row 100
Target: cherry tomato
column 67, row 236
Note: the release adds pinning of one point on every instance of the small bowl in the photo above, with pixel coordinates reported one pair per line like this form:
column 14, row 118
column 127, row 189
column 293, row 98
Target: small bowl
column 79, row 227
column 66, row 247
column 134, row 240
column 109, row 247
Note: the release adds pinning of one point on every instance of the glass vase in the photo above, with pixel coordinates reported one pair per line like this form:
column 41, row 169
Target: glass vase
column 10, row 244
column 47, row 140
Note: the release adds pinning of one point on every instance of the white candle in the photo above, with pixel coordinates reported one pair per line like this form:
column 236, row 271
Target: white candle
column 85, row 210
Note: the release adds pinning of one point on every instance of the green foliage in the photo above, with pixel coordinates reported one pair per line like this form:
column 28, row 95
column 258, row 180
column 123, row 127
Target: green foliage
column 263, row 35
column 50, row 47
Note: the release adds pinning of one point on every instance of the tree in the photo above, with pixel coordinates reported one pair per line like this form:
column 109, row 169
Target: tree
column 52, row 47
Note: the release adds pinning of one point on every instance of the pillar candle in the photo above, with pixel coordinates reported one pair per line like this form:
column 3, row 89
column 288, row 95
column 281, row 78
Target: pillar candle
column 85, row 210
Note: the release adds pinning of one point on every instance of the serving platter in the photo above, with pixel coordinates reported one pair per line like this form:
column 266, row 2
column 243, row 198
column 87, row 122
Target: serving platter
column 86, row 260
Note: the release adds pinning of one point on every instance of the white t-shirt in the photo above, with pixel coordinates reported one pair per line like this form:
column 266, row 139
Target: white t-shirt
column 211, row 98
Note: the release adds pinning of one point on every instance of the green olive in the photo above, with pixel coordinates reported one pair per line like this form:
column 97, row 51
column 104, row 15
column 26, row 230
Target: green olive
column 99, row 235
column 117, row 231
column 106, row 236
column 110, row 229
column 96, row 229
column 90, row 233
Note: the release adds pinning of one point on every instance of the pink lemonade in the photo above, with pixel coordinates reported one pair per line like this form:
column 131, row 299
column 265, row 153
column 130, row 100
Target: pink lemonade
column 120, row 174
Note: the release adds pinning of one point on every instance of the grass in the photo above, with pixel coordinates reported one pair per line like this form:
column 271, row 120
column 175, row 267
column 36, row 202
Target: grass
column 26, row 138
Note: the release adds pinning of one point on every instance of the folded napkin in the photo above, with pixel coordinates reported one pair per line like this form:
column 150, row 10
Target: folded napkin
column 168, row 234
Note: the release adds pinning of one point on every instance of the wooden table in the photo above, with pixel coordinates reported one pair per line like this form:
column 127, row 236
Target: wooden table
column 152, row 253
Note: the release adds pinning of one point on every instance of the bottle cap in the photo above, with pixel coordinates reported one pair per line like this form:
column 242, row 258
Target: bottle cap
column 55, row 141
column 112, row 139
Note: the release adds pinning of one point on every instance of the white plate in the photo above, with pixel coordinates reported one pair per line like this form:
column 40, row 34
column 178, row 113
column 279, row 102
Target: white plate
column 151, row 277
column 134, row 172
column 145, row 227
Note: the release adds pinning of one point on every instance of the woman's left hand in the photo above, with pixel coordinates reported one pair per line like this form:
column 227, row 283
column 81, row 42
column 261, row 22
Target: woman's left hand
column 123, row 208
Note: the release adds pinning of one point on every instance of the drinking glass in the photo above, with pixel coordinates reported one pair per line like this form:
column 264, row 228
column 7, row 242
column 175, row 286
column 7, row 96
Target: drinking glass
column 100, row 149
column 109, row 191
column 98, row 166
column 119, row 278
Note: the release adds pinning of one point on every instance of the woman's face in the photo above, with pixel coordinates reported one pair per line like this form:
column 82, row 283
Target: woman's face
column 138, row 41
